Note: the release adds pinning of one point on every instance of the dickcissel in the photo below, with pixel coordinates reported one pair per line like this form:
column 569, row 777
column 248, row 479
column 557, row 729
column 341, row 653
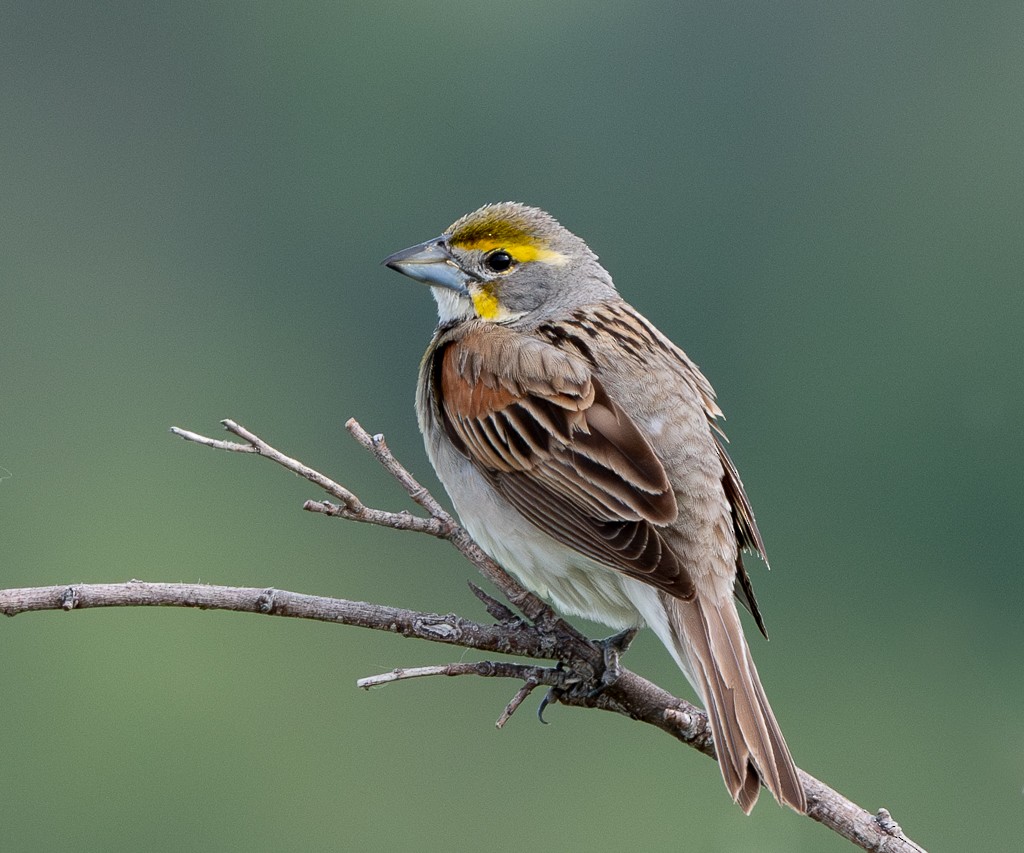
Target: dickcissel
column 579, row 447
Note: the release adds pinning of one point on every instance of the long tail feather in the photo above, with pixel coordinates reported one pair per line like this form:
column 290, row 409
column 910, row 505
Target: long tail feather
column 750, row 745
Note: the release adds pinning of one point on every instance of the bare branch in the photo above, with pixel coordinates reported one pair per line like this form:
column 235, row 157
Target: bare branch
column 519, row 640
column 544, row 636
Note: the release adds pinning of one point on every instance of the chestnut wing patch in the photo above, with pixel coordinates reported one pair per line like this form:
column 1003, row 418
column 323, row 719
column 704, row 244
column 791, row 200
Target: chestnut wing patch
column 540, row 426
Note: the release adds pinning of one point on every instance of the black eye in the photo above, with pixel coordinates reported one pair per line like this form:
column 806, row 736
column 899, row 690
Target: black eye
column 498, row 261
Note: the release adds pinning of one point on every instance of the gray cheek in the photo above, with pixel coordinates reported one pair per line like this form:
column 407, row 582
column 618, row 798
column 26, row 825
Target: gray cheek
column 523, row 297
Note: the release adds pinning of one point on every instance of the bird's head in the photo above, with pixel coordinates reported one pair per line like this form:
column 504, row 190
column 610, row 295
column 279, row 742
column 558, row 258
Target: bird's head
column 505, row 263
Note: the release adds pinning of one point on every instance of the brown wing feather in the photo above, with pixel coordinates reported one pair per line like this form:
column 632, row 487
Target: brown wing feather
column 542, row 428
column 747, row 533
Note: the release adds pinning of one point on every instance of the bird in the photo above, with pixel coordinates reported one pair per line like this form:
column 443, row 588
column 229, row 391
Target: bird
column 581, row 449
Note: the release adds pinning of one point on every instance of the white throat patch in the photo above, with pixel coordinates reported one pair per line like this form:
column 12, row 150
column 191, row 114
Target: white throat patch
column 451, row 307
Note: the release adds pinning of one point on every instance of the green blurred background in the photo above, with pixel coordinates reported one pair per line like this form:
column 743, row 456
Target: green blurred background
column 821, row 202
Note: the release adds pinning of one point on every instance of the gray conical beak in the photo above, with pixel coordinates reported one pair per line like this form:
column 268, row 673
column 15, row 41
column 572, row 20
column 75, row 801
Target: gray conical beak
column 432, row 263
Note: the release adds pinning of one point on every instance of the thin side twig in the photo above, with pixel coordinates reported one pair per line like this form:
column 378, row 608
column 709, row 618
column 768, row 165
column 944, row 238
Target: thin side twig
column 521, row 695
column 379, row 448
column 255, row 444
column 485, row 669
column 349, row 505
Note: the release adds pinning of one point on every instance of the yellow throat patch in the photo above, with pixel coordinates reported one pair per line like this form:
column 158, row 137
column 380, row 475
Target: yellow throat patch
column 486, row 304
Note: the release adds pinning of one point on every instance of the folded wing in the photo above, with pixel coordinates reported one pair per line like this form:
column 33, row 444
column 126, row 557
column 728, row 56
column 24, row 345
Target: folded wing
column 539, row 425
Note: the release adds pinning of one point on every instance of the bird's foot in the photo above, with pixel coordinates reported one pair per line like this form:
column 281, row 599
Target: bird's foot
column 612, row 649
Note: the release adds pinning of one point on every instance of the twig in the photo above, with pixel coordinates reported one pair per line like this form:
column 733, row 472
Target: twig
column 485, row 669
column 498, row 610
column 544, row 637
column 379, row 448
column 532, row 676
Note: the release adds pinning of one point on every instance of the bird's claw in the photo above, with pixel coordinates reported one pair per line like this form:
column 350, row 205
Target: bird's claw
column 551, row 697
column 612, row 649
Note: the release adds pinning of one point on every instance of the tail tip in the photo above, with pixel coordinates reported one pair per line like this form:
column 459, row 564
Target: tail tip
column 787, row 790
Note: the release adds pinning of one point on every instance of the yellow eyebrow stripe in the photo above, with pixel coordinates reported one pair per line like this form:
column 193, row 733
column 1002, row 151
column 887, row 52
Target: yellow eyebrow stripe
column 521, row 252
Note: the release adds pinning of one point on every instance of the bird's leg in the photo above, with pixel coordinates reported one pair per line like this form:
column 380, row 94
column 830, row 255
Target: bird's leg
column 612, row 649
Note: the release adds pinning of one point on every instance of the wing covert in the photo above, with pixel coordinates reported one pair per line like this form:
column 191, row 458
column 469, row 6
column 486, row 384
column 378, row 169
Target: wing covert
column 541, row 427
